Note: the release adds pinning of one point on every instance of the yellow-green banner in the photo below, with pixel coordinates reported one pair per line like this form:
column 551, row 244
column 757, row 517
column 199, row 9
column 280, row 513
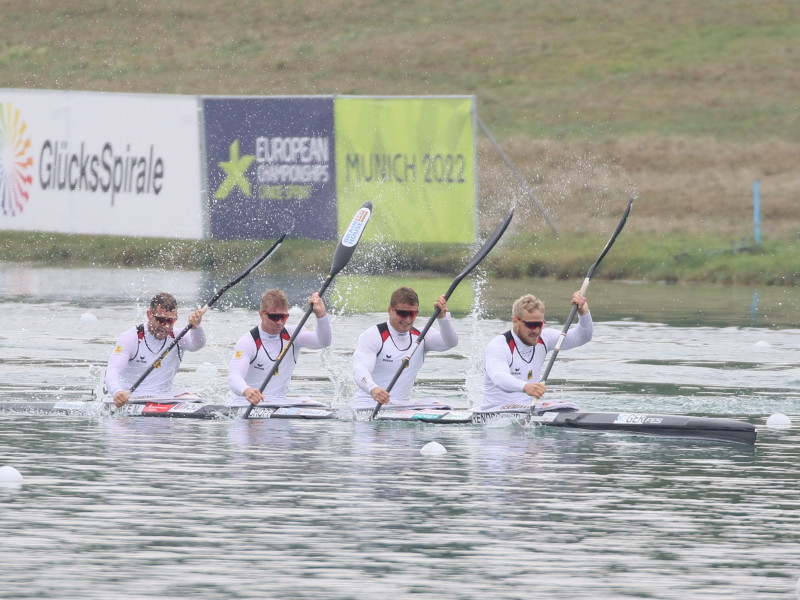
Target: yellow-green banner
column 413, row 158
column 361, row 294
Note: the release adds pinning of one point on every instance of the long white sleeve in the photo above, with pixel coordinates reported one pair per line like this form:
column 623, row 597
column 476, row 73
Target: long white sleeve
column 496, row 360
column 367, row 347
column 443, row 339
column 194, row 340
column 321, row 337
column 577, row 336
column 124, row 351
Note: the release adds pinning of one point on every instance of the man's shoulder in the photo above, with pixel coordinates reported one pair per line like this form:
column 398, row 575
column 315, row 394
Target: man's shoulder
column 132, row 333
column 248, row 337
column 500, row 341
column 549, row 336
column 374, row 329
column 371, row 334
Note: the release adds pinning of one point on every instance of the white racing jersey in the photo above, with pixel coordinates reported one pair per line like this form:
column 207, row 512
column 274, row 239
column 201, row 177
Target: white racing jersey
column 137, row 349
column 509, row 364
column 255, row 354
column 379, row 353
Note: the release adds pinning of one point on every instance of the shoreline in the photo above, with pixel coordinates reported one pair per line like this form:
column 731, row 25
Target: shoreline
column 636, row 256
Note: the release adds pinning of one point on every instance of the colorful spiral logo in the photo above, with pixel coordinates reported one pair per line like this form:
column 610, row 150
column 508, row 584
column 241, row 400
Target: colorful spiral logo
column 15, row 161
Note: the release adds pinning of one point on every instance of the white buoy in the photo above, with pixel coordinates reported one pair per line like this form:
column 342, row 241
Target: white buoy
column 433, row 449
column 207, row 368
column 88, row 318
column 9, row 474
column 779, row 421
column 763, row 344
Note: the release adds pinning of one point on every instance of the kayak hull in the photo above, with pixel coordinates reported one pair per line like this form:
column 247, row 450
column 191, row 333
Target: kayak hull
column 710, row 428
column 668, row 425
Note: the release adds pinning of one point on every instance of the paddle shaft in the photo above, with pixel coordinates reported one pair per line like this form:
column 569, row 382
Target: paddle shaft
column 561, row 337
column 344, row 251
column 585, row 285
column 208, row 305
column 479, row 256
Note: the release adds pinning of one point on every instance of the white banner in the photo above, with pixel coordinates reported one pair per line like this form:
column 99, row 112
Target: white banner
column 97, row 163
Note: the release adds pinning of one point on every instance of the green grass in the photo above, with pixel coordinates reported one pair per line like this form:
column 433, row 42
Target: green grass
column 574, row 69
column 634, row 256
column 682, row 104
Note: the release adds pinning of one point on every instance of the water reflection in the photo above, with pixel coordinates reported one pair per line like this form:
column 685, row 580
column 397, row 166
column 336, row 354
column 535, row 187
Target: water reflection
column 352, row 510
column 675, row 305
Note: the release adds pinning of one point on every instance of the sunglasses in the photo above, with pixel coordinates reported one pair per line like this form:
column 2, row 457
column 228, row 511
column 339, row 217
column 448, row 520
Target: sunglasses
column 165, row 320
column 406, row 314
column 532, row 324
column 277, row 317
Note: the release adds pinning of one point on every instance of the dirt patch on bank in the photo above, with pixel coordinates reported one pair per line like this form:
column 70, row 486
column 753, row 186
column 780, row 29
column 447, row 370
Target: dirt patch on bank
column 696, row 186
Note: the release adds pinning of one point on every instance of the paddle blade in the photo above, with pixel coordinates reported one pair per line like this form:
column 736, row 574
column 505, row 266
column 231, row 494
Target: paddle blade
column 490, row 243
column 612, row 239
column 351, row 237
column 245, row 273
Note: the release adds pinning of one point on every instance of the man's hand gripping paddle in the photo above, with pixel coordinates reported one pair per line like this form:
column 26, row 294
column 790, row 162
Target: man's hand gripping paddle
column 585, row 285
column 481, row 254
column 341, row 257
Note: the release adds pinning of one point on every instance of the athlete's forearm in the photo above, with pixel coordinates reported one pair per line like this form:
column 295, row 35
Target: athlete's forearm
column 320, row 338
column 194, row 340
column 577, row 336
column 363, row 364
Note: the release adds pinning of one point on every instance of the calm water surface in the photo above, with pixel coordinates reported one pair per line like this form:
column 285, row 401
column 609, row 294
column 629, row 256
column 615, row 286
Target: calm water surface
column 152, row 508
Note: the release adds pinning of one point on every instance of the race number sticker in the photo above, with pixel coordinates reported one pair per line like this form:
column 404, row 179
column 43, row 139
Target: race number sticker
column 636, row 419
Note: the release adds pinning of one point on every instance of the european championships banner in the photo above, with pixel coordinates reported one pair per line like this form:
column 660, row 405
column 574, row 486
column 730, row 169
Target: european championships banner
column 270, row 167
column 99, row 163
column 305, row 165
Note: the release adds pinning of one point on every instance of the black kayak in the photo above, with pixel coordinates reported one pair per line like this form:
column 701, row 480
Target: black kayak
column 710, row 428
column 683, row 426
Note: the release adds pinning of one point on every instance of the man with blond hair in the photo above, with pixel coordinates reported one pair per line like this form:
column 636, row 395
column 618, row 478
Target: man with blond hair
column 256, row 352
column 512, row 362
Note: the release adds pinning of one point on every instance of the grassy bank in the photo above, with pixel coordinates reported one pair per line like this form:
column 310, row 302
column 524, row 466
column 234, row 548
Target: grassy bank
column 682, row 104
column 544, row 70
column 635, row 256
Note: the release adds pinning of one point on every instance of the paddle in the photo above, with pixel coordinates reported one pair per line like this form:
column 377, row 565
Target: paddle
column 585, row 285
column 341, row 257
column 481, row 254
column 208, row 305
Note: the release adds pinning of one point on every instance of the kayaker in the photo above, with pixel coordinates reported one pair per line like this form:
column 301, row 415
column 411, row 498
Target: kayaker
column 140, row 346
column 257, row 350
column 512, row 362
column 380, row 350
